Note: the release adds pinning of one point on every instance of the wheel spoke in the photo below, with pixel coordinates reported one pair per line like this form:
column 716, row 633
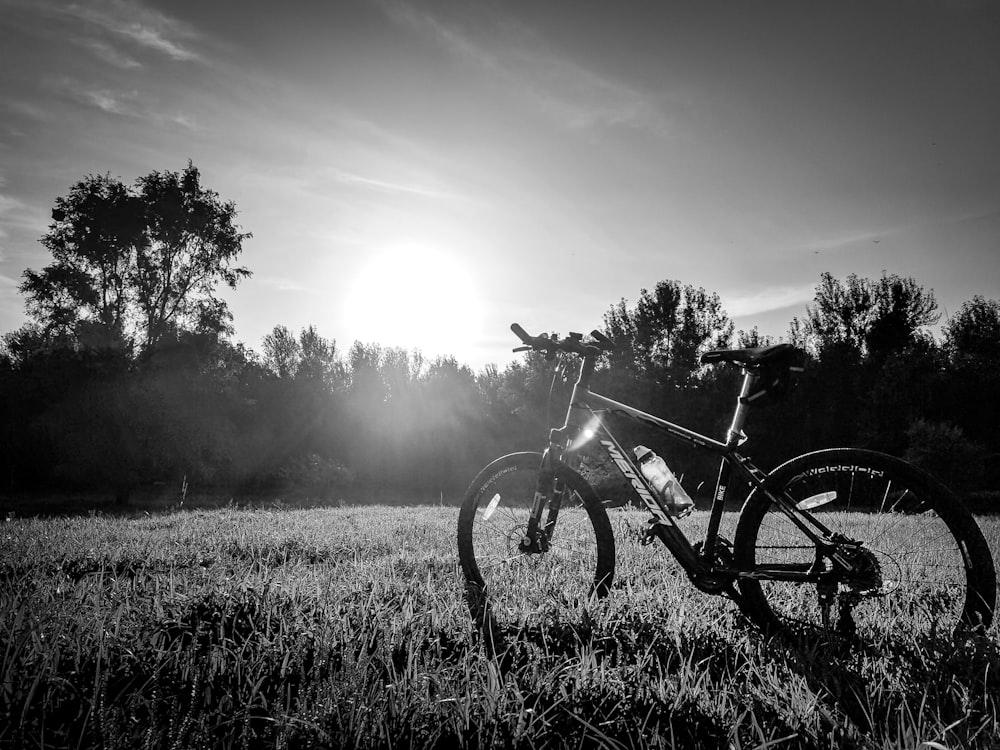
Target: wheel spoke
column 905, row 565
column 565, row 565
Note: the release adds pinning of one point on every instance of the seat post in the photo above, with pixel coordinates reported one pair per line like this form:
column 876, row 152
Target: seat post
column 736, row 437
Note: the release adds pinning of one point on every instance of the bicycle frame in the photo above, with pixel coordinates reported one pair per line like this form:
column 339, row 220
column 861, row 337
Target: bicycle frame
column 585, row 422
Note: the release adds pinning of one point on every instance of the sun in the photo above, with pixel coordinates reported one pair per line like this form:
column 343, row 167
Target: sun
column 415, row 297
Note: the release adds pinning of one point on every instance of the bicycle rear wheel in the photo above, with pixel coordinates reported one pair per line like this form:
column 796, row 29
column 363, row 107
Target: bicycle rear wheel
column 515, row 587
column 923, row 566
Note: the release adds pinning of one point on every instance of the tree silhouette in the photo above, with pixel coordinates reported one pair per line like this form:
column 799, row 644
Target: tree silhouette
column 974, row 331
column 868, row 317
column 667, row 330
column 972, row 346
column 132, row 264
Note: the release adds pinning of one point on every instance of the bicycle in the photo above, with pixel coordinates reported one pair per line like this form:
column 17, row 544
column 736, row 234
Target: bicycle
column 828, row 542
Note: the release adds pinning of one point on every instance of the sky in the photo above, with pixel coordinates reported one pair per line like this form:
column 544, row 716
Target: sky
column 422, row 174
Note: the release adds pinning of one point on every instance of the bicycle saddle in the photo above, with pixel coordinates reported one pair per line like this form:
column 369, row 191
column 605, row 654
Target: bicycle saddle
column 756, row 356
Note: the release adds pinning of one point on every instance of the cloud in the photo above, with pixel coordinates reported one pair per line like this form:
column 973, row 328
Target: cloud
column 144, row 27
column 9, row 205
column 846, row 239
column 25, row 109
column 282, row 284
column 574, row 96
column 769, row 299
column 110, row 55
column 388, row 186
column 11, row 304
column 122, row 103
column 107, row 101
column 124, row 20
column 582, row 99
column 966, row 216
column 18, row 216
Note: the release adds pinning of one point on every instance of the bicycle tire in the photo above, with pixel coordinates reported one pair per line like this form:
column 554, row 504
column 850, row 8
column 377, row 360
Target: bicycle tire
column 510, row 592
column 926, row 566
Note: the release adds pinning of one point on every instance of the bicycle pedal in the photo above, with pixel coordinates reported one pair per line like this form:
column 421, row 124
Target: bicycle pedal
column 649, row 535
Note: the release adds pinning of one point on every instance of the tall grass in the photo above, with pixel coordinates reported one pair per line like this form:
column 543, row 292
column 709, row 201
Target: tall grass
column 347, row 628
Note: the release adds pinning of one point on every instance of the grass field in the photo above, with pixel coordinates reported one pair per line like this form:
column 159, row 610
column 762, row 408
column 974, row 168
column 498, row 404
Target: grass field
column 346, row 627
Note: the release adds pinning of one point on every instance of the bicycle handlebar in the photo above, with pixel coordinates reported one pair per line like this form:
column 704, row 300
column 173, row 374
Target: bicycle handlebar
column 573, row 344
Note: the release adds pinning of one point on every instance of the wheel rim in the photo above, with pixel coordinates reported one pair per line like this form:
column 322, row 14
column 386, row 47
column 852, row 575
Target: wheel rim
column 911, row 569
column 523, row 586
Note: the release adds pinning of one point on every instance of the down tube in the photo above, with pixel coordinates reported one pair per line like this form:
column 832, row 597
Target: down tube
column 666, row 527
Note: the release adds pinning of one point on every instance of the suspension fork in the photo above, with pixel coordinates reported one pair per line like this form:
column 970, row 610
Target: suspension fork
column 549, row 492
column 550, row 489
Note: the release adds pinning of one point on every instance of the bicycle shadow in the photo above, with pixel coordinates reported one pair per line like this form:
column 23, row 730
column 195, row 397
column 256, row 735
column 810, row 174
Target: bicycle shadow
column 955, row 679
column 866, row 693
column 509, row 646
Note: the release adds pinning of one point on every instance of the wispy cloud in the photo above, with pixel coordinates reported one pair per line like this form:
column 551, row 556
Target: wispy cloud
column 281, row 283
column 573, row 95
column 766, row 300
column 109, row 101
column 9, row 205
column 849, row 238
column 18, row 217
column 12, row 213
column 24, row 109
column 11, row 303
column 98, row 23
column 388, row 185
column 9, row 293
column 110, row 54
column 975, row 215
column 144, row 27
column 123, row 103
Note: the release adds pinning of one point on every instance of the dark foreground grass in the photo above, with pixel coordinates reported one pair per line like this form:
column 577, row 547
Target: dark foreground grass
column 347, row 628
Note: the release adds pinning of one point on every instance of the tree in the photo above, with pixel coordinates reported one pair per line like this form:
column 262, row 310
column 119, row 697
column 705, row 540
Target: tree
column 871, row 318
column 974, row 331
column 132, row 264
column 658, row 342
column 320, row 362
column 837, row 316
column 282, row 352
column 667, row 330
column 901, row 308
column 972, row 345
column 752, row 339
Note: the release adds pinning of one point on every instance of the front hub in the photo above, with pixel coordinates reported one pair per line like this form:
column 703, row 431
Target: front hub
column 528, row 546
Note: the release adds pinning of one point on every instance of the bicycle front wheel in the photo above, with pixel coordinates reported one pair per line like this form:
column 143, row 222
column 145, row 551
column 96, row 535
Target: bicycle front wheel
column 516, row 584
column 922, row 565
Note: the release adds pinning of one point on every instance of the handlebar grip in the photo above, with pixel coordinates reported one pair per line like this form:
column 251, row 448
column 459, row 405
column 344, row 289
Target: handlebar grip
column 603, row 340
column 520, row 333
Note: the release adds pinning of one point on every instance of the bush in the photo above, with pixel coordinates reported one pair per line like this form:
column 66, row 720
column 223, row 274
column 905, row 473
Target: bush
column 943, row 450
column 316, row 474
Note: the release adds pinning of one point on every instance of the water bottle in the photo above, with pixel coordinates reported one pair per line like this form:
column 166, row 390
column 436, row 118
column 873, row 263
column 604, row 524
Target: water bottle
column 662, row 480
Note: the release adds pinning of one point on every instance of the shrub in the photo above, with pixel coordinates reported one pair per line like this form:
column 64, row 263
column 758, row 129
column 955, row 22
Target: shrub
column 943, row 450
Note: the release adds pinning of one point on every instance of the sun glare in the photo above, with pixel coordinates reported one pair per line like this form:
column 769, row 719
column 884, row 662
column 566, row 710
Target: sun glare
column 417, row 298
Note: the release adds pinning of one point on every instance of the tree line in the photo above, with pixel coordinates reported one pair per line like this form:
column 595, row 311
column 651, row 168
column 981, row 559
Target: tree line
column 127, row 375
